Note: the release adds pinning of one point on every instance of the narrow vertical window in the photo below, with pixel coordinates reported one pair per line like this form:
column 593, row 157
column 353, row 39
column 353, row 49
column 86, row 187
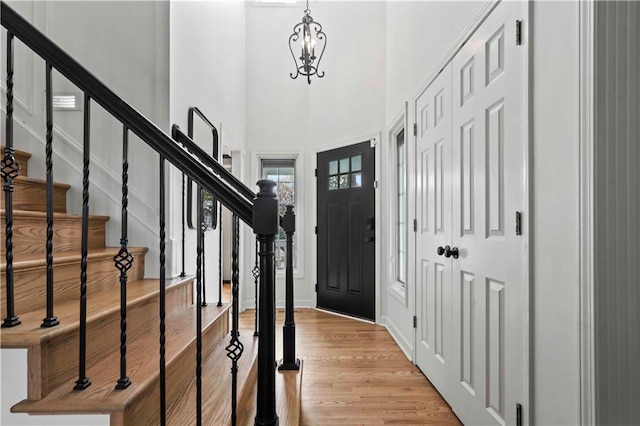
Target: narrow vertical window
column 401, row 208
column 282, row 172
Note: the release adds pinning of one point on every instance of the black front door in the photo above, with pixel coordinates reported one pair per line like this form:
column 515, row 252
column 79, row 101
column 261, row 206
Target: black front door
column 346, row 229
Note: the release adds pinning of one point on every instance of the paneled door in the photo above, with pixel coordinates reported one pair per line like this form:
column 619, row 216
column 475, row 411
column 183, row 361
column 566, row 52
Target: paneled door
column 346, row 230
column 470, row 275
column 488, row 282
column 434, row 227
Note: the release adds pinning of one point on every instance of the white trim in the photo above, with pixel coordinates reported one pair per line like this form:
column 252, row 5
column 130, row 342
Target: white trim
column 378, row 209
column 586, row 212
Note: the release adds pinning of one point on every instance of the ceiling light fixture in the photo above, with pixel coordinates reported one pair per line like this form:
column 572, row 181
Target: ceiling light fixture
column 311, row 36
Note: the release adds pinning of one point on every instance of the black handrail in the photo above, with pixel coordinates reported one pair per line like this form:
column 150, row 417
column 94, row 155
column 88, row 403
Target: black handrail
column 230, row 191
column 206, row 159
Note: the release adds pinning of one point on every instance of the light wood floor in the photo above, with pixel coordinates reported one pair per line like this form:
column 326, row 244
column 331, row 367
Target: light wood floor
column 355, row 374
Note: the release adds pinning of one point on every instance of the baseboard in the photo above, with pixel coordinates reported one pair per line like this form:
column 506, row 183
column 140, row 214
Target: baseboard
column 403, row 343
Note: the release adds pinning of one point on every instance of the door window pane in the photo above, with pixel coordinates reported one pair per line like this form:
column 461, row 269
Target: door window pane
column 356, row 163
column 333, row 183
column 344, row 165
column 333, row 167
column 356, row 180
column 344, row 181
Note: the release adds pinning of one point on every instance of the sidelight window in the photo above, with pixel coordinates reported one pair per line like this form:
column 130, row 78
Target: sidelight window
column 401, row 208
column 282, row 172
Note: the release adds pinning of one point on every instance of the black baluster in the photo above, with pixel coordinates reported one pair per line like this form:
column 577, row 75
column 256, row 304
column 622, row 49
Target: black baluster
column 183, row 273
column 203, row 230
column 199, row 272
column 124, row 261
column 289, row 360
column 10, row 170
column 83, row 381
column 163, row 376
column 265, row 226
column 50, row 320
column 220, row 235
column 256, row 274
column 235, row 347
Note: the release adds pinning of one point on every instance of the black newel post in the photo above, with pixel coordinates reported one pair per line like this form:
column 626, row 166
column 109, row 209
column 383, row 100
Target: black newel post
column 289, row 360
column 265, row 226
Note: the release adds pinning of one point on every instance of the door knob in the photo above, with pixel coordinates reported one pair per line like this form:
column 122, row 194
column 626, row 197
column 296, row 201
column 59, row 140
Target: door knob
column 448, row 252
column 440, row 250
column 369, row 239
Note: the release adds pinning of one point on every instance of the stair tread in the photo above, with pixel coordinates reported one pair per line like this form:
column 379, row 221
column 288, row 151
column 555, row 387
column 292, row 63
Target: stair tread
column 216, row 382
column 56, row 215
column 35, row 260
column 142, row 369
column 35, row 181
column 99, row 304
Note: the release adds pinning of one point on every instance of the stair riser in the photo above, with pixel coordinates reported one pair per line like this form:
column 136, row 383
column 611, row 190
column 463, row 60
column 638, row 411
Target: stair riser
column 145, row 410
column 30, row 283
column 29, row 195
column 103, row 338
column 30, row 234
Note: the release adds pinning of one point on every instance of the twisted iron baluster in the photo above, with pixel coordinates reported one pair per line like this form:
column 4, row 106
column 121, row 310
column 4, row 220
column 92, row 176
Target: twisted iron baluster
column 163, row 377
column 199, row 272
column 183, row 273
column 50, row 320
column 10, row 170
column 235, row 347
column 83, row 382
column 124, row 261
column 256, row 275
column 220, row 258
column 203, row 229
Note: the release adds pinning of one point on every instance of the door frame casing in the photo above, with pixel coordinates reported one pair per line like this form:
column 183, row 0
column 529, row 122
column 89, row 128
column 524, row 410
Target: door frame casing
column 527, row 98
column 312, row 165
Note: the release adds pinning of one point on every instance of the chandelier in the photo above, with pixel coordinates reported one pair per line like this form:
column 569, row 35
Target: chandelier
column 311, row 36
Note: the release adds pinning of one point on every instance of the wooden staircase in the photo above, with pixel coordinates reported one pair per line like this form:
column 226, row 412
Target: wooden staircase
column 53, row 352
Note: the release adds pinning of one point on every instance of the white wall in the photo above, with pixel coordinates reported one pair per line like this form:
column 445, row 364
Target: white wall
column 285, row 115
column 208, row 72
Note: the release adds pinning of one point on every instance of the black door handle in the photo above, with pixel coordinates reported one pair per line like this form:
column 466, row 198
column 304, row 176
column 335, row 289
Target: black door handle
column 369, row 239
column 448, row 251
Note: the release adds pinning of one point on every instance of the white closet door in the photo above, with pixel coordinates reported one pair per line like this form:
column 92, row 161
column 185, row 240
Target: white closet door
column 433, row 210
column 488, row 284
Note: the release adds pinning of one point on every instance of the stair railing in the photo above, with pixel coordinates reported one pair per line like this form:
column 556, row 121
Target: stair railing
column 259, row 211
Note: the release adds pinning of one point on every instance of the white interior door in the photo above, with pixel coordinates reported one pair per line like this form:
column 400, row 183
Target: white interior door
column 433, row 210
column 488, row 284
